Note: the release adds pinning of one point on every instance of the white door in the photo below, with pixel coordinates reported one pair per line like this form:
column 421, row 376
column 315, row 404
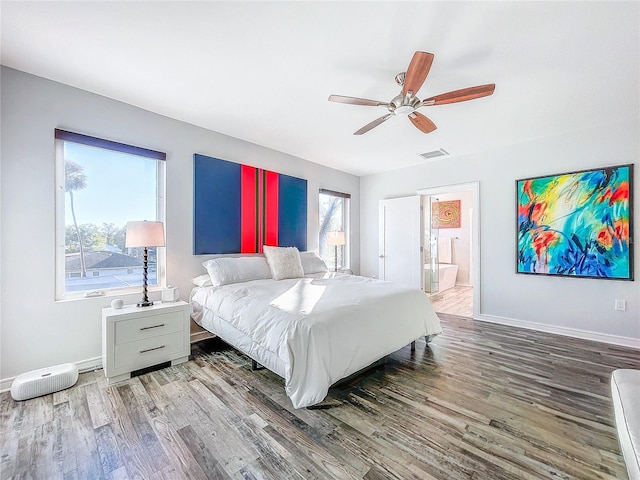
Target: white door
column 401, row 241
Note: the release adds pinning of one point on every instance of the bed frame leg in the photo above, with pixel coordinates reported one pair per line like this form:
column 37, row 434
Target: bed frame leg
column 413, row 346
column 255, row 366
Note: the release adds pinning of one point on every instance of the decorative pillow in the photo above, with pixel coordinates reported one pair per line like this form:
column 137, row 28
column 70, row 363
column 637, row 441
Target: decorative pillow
column 284, row 262
column 224, row 271
column 312, row 263
column 202, row 280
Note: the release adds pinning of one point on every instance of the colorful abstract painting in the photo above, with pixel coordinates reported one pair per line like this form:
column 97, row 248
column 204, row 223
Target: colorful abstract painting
column 239, row 208
column 577, row 224
column 446, row 214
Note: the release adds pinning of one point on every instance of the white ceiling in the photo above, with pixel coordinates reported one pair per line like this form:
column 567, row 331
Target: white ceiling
column 262, row 71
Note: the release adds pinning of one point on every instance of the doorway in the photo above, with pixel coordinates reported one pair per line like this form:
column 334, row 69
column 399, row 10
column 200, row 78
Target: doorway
column 452, row 248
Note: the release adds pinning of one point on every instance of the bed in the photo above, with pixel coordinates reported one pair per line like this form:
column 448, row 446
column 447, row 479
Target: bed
column 314, row 328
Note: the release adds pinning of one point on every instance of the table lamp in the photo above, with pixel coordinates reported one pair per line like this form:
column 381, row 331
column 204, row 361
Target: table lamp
column 336, row 239
column 144, row 234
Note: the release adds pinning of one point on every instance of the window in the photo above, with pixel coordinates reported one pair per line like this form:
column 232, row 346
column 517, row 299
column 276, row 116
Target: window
column 334, row 217
column 100, row 185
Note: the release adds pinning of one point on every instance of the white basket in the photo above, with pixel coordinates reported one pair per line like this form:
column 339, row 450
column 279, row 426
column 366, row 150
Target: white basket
column 44, row 381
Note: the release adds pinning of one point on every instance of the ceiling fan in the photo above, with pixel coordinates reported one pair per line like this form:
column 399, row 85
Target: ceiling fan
column 407, row 103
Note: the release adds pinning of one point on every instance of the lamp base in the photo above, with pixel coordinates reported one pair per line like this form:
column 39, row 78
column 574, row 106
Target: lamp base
column 145, row 302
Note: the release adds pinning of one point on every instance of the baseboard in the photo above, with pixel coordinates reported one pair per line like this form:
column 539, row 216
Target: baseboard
column 565, row 331
column 87, row 365
column 5, row 384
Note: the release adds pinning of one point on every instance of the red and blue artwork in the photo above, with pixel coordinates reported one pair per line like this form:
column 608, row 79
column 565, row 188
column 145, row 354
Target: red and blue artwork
column 239, row 208
column 577, row 224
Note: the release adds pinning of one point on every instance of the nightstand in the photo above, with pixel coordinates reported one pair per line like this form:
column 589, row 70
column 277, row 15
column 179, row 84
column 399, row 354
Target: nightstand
column 138, row 337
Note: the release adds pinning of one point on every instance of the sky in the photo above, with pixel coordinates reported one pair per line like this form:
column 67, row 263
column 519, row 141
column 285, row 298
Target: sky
column 120, row 187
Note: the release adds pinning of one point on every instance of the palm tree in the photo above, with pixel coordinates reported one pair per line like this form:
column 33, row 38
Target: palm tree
column 75, row 179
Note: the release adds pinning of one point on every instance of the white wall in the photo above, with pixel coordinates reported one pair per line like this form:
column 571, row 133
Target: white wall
column 37, row 331
column 582, row 307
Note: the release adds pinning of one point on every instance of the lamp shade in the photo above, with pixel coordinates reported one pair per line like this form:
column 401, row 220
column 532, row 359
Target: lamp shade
column 144, row 234
column 336, row 238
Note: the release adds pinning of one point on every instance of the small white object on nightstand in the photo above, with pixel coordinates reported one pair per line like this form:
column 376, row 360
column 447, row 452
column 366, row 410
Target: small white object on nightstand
column 117, row 303
column 138, row 337
column 170, row 294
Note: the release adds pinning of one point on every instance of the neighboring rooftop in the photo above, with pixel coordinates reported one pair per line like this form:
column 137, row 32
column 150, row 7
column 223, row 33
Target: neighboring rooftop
column 102, row 259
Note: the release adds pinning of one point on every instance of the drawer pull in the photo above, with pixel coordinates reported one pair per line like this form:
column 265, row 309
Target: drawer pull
column 153, row 326
column 152, row 349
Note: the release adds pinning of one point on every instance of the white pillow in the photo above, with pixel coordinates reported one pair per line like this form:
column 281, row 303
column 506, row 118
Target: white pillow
column 224, row 271
column 284, row 262
column 312, row 263
column 202, row 280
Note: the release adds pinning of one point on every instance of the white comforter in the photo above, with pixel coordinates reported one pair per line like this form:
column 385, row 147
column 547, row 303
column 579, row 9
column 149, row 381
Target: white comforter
column 323, row 329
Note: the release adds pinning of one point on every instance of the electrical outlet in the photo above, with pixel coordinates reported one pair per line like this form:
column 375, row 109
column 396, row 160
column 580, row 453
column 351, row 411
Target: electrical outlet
column 620, row 305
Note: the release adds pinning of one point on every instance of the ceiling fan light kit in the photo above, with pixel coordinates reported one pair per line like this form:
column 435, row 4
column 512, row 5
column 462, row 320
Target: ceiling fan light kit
column 407, row 102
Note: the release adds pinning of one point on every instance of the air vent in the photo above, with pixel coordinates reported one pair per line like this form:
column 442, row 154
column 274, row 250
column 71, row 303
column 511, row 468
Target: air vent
column 436, row 153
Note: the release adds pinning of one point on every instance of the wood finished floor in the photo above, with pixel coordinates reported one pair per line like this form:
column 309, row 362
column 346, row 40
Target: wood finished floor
column 455, row 301
column 484, row 401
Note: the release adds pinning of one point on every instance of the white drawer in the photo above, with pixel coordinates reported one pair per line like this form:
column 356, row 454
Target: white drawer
column 140, row 328
column 149, row 351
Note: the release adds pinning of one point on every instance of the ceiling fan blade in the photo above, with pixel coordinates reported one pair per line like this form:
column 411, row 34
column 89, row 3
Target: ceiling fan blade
column 417, row 72
column 422, row 123
column 373, row 124
column 356, row 101
column 461, row 95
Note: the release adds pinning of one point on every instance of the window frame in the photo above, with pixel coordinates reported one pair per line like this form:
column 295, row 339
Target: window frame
column 346, row 222
column 62, row 136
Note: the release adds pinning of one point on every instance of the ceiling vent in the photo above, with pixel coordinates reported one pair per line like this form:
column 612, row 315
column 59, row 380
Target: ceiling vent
column 436, row 153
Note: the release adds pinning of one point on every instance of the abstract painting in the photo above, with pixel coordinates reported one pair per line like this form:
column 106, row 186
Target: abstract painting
column 239, row 208
column 577, row 224
column 446, row 214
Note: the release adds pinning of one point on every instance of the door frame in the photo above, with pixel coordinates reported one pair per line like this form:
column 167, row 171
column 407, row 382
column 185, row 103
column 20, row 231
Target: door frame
column 474, row 188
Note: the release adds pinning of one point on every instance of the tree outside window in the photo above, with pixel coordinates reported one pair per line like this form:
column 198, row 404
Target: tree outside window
column 334, row 217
